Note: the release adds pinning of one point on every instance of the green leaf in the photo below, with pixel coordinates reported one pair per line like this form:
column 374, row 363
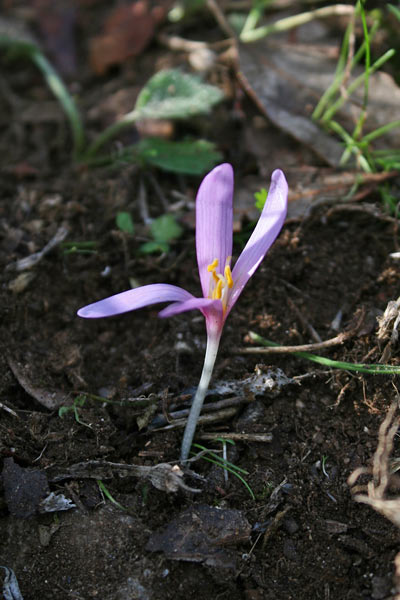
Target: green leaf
column 165, row 229
column 261, row 198
column 172, row 94
column 125, row 223
column 192, row 157
column 151, row 247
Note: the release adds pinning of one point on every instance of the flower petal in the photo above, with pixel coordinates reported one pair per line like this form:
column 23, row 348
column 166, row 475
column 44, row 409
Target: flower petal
column 203, row 304
column 211, row 309
column 134, row 299
column 214, row 221
column 263, row 236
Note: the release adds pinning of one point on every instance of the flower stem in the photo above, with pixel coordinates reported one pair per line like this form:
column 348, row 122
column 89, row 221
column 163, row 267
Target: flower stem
column 197, row 404
column 105, row 136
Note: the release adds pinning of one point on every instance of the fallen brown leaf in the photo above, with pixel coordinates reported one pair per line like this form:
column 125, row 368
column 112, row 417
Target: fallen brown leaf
column 127, row 31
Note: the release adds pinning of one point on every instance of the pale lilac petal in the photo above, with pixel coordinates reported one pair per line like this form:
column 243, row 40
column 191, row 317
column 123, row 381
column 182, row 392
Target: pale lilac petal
column 263, row 236
column 214, row 221
column 134, row 299
column 203, row 304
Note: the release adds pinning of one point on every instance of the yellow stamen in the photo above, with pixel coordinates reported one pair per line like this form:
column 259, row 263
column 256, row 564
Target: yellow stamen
column 217, row 293
column 219, row 284
column 228, row 276
column 212, row 269
column 213, row 265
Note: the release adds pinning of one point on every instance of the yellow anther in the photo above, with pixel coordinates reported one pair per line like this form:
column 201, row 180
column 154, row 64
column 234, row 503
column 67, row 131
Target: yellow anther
column 213, row 265
column 217, row 293
column 228, row 276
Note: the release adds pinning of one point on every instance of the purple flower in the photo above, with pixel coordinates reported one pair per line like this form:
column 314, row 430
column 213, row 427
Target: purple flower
column 221, row 286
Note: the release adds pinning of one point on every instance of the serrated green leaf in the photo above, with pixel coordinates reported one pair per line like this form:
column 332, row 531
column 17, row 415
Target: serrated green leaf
column 172, row 94
column 165, row 229
column 151, row 247
column 124, row 222
column 260, row 197
column 192, row 157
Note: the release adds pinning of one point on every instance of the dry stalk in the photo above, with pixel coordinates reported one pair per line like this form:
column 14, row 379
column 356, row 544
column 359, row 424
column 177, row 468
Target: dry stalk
column 335, row 341
column 374, row 493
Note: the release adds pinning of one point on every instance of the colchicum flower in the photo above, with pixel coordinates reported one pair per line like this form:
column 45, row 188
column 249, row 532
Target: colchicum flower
column 220, row 284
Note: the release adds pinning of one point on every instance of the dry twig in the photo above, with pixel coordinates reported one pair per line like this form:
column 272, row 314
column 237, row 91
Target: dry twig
column 220, row 18
column 374, row 493
column 239, row 437
column 335, row 341
column 164, row 476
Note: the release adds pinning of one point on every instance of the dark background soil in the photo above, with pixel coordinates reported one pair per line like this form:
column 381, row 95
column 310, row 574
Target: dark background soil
column 309, row 539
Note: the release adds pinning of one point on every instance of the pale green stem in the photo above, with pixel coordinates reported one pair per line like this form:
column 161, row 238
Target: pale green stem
column 361, row 120
column 381, row 131
column 255, row 14
column 341, row 70
column 355, row 84
column 197, row 404
column 295, row 21
column 125, row 122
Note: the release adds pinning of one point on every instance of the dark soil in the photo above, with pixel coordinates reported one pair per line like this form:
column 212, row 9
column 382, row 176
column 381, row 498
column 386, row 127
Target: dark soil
column 308, row 537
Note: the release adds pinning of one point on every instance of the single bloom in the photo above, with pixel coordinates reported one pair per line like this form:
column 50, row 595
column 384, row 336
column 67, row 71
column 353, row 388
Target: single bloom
column 221, row 284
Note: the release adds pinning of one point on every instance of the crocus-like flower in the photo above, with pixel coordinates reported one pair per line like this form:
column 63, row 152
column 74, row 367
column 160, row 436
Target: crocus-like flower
column 220, row 284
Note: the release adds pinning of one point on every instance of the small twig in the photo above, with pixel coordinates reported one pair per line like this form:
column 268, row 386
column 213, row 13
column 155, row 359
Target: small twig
column 335, row 341
column 158, row 190
column 239, row 437
column 164, row 476
column 369, row 209
column 221, row 415
column 336, row 184
column 220, row 18
column 174, row 42
column 305, row 323
column 272, row 529
column 9, row 410
column 142, row 201
column 30, row 261
column 209, row 407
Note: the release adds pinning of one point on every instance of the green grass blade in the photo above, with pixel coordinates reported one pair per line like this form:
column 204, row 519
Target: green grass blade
column 67, row 102
column 223, row 461
column 107, row 494
column 231, row 468
column 29, row 50
column 339, row 74
column 294, row 21
column 374, row 369
column 355, row 84
column 380, row 131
